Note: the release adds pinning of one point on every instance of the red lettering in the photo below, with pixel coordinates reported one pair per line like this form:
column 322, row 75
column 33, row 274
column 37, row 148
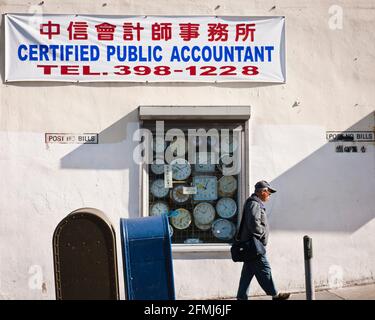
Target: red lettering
column 105, row 31
column 245, row 31
column 128, row 29
column 69, row 70
column 46, row 69
column 217, row 32
column 78, row 31
column 49, row 29
column 161, row 31
column 189, row 31
column 87, row 71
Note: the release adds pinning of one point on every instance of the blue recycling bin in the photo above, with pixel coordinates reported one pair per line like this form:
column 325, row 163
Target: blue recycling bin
column 147, row 258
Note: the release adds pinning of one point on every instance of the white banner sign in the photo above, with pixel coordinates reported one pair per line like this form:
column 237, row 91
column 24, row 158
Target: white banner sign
column 144, row 48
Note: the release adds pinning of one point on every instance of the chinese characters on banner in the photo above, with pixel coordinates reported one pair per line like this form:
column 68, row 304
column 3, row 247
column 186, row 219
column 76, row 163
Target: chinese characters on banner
column 155, row 49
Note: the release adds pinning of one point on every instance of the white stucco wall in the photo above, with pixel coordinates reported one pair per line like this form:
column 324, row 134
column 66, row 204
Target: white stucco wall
column 328, row 195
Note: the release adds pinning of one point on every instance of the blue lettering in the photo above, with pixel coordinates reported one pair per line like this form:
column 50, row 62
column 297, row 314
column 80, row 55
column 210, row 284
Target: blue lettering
column 132, row 53
column 61, row 53
column 111, row 50
column 84, row 53
column 157, row 58
column 248, row 55
column 239, row 51
column 77, row 52
column 33, row 52
column 43, row 53
column 69, row 52
column 269, row 49
column 228, row 54
column 20, row 55
column 193, row 51
column 185, row 50
column 94, row 53
column 53, row 48
column 206, row 53
column 259, row 53
column 141, row 57
column 175, row 55
column 218, row 53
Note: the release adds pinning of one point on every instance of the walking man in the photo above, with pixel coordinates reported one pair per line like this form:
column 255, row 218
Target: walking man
column 255, row 224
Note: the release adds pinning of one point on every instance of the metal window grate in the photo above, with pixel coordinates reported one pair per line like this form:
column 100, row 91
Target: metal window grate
column 193, row 234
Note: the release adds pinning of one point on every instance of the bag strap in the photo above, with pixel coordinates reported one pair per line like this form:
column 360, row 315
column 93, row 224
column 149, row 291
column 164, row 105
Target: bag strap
column 242, row 220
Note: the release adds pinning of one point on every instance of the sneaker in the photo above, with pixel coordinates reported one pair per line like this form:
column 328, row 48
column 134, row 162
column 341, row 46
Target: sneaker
column 281, row 296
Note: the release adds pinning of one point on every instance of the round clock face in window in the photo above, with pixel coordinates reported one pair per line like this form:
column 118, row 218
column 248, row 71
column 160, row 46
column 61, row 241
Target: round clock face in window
column 204, row 213
column 227, row 185
column 178, row 195
column 223, row 229
column 226, row 161
column 157, row 168
column 226, row 208
column 182, row 219
column 203, row 227
column 159, row 208
column 181, row 169
column 158, row 189
column 206, row 188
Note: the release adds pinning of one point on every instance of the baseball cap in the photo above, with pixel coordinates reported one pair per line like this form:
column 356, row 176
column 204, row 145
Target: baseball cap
column 264, row 184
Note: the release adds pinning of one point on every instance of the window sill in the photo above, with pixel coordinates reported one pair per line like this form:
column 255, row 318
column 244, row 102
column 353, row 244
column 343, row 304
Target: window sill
column 201, row 247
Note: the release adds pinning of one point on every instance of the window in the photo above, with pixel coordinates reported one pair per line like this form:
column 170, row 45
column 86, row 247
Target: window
column 195, row 175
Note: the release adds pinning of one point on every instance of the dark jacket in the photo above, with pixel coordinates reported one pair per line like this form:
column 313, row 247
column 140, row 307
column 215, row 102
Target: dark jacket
column 255, row 222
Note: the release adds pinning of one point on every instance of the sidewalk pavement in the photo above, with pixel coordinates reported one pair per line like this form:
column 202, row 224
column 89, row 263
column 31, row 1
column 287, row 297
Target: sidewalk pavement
column 358, row 292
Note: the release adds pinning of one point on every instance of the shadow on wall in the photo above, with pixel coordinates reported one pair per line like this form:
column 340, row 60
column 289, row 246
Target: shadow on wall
column 114, row 152
column 329, row 190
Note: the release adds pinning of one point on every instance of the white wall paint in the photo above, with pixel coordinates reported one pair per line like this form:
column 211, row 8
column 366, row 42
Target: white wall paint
column 330, row 81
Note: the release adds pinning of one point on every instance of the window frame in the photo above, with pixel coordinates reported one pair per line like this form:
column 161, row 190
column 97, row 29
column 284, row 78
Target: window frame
column 185, row 114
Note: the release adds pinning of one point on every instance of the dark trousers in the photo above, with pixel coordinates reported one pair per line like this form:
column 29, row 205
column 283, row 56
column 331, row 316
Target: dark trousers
column 260, row 268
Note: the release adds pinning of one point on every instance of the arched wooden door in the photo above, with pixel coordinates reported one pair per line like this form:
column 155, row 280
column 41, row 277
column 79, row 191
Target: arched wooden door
column 85, row 259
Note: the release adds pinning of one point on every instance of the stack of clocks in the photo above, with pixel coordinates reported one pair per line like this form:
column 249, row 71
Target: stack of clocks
column 212, row 202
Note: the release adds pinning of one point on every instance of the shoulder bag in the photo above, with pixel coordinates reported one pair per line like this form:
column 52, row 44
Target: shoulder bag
column 244, row 251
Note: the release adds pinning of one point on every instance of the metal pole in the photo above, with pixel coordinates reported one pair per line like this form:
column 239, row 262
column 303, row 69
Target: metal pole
column 307, row 248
